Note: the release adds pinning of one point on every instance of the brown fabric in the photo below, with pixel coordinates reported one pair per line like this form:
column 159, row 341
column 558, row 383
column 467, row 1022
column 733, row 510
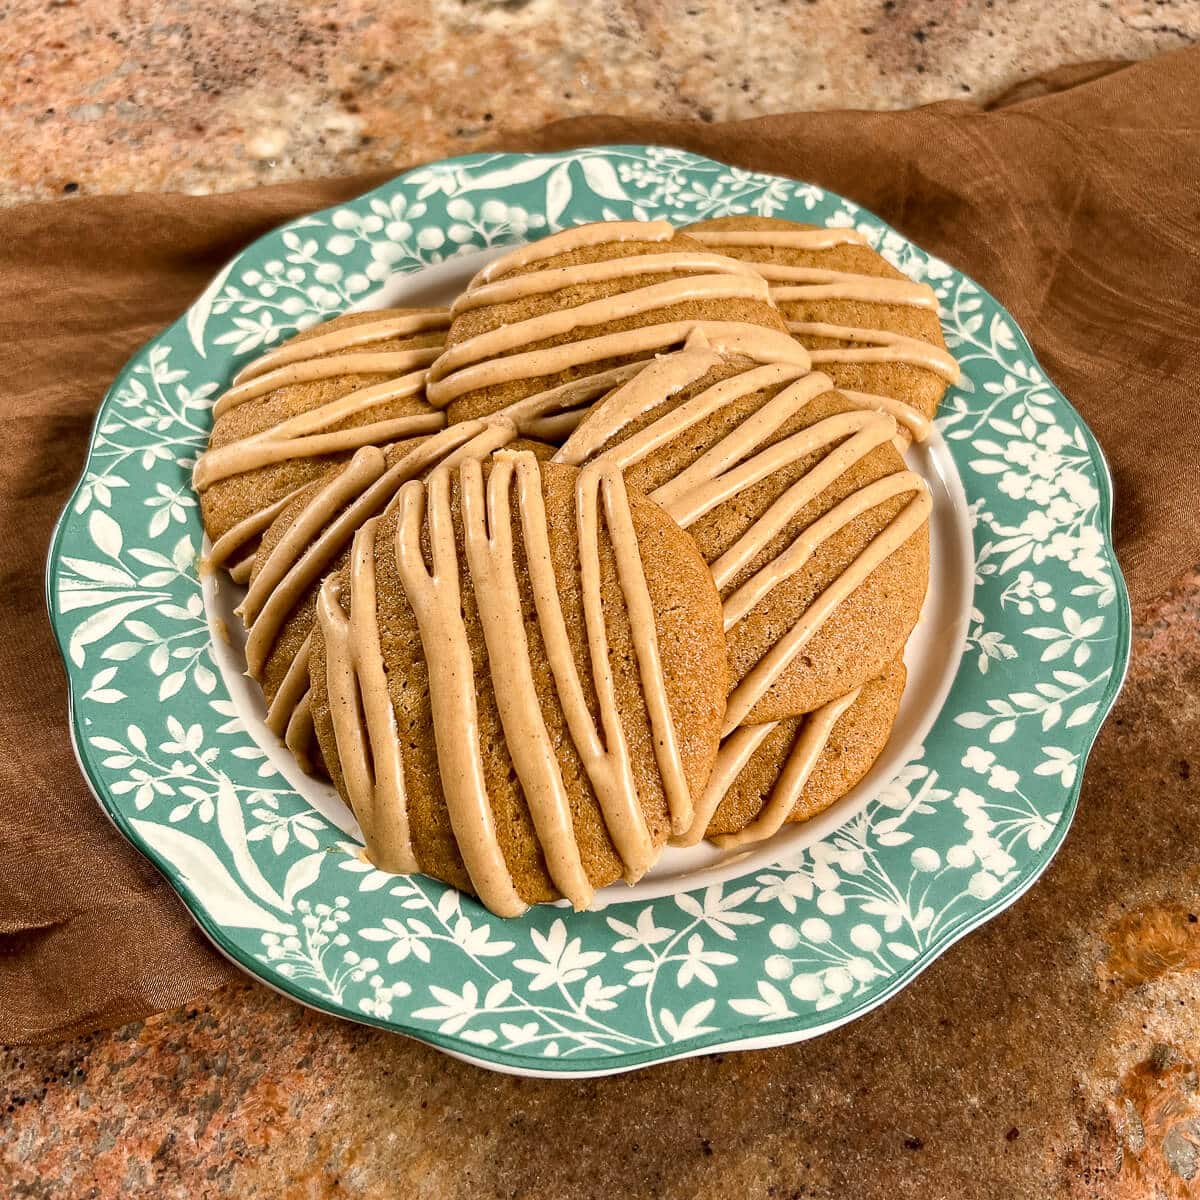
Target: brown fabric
column 1078, row 208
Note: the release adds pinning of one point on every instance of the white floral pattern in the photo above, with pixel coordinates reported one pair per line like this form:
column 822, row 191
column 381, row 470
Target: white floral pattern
column 960, row 831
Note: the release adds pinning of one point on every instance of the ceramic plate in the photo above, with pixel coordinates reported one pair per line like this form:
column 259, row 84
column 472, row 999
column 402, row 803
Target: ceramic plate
column 1019, row 654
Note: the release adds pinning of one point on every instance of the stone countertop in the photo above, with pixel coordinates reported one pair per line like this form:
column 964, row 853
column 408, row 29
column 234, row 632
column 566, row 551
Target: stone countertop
column 200, row 95
column 1054, row 1053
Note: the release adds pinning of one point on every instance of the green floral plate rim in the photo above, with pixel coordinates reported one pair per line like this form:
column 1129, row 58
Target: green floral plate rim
column 783, row 954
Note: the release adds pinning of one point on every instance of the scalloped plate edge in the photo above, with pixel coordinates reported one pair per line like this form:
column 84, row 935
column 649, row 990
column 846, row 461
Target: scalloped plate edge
column 738, row 1037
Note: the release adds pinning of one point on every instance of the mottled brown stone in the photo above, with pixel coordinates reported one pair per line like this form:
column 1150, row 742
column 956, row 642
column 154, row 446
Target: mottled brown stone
column 147, row 95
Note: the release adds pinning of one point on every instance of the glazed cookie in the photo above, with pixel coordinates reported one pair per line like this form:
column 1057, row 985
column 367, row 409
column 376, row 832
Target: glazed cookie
column 871, row 328
column 306, row 406
column 589, row 301
column 816, row 534
column 768, row 775
column 518, row 680
column 311, row 538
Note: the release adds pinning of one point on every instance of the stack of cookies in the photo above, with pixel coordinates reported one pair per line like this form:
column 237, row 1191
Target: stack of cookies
column 618, row 552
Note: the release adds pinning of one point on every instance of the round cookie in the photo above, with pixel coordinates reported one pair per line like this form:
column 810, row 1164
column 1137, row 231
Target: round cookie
column 791, row 770
column 306, row 406
column 799, row 500
column 311, row 538
column 869, row 326
column 534, row 717
column 590, row 300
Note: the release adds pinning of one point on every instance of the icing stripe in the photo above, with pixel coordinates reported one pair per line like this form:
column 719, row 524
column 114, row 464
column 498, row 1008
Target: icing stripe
column 606, row 761
column 798, row 553
column 720, row 473
column 364, row 721
column 735, row 752
column 744, row 457
column 388, row 362
column 363, row 334
column 539, row 283
column 506, row 338
column 506, row 354
column 811, row 283
column 355, row 679
column 632, row 579
column 574, row 239
column 335, row 355
column 877, row 345
column 767, row 670
column 807, row 749
column 240, row 572
column 793, row 239
column 806, row 284
column 279, row 445
column 292, row 689
column 917, row 423
column 326, row 524
column 234, row 538
column 568, row 402
column 647, row 388
column 488, row 538
column 869, row 430
column 267, row 603
column 735, row 336
column 436, row 601
column 300, row 735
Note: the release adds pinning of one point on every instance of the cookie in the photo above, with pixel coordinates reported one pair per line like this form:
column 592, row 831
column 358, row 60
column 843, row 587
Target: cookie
column 791, row 770
column 518, row 680
column 311, row 538
column 871, row 328
column 305, row 407
column 816, row 534
column 541, row 319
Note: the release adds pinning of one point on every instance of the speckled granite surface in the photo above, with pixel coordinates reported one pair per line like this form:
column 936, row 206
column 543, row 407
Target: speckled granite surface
column 1052, row 1054
column 203, row 95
